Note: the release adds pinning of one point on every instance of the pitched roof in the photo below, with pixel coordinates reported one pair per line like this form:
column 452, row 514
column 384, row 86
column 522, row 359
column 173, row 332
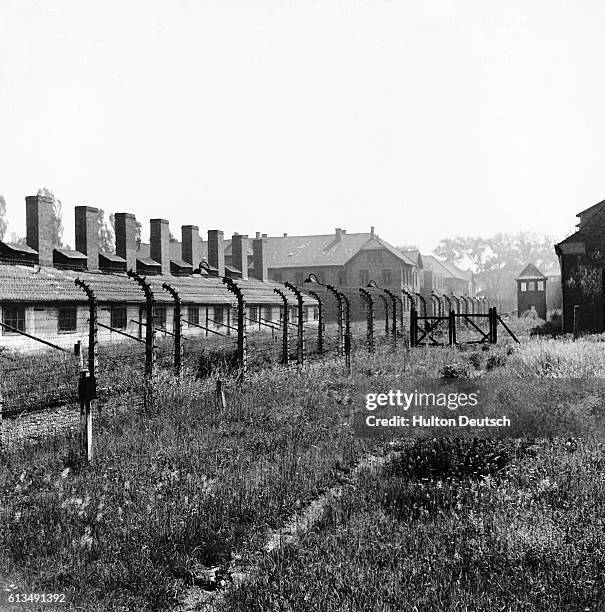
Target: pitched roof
column 45, row 284
column 585, row 230
column 434, row 265
column 322, row 250
column 457, row 272
column 530, row 272
column 591, row 208
column 413, row 255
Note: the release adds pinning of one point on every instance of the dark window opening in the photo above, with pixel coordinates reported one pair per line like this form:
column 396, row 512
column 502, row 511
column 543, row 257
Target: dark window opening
column 118, row 317
column 159, row 315
column 219, row 315
column 68, row 319
column 193, row 315
column 15, row 317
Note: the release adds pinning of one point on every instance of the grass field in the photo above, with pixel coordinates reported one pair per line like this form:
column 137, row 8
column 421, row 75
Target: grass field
column 188, row 486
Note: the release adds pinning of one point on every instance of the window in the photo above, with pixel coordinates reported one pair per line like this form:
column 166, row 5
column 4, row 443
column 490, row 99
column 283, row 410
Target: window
column 267, row 314
column 341, row 279
column 532, row 307
column 364, row 277
column 531, row 286
column 118, row 317
column 193, row 316
column 159, row 314
column 375, row 257
column 15, row 317
column 68, row 319
column 219, row 315
column 541, row 286
column 316, row 314
column 386, row 277
column 298, row 278
column 254, row 313
column 523, row 286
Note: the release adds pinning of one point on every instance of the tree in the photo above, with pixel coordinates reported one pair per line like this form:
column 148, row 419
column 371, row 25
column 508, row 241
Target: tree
column 14, row 238
column 496, row 261
column 3, row 221
column 106, row 234
column 57, row 217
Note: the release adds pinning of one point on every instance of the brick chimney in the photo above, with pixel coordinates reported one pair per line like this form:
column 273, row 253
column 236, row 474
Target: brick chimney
column 191, row 249
column 126, row 244
column 258, row 259
column 239, row 253
column 38, row 219
column 216, row 251
column 87, row 235
column 258, row 235
column 339, row 233
column 160, row 243
column 372, row 233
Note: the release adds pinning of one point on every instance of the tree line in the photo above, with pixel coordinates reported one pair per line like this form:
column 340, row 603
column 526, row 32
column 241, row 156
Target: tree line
column 498, row 260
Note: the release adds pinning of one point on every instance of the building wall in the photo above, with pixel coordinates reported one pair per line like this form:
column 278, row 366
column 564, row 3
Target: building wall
column 42, row 321
column 582, row 285
column 532, row 297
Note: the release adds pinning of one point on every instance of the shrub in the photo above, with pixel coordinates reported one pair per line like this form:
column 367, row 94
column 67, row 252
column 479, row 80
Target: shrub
column 495, row 361
column 455, row 370
column 476, row 360
column 554, row 327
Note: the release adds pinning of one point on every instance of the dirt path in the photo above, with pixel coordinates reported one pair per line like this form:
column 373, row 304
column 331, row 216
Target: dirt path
column 212, row 598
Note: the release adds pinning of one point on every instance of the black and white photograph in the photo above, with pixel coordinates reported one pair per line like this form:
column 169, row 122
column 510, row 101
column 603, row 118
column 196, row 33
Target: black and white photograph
column 302, row 306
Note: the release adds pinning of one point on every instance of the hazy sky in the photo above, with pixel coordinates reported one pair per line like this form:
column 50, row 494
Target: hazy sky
column 425, row 119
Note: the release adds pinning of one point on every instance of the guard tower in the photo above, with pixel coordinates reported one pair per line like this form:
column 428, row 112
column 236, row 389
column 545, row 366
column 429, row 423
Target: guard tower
column 531, row 291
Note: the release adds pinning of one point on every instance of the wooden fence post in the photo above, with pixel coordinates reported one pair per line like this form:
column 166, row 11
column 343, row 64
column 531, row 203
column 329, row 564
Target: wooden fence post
column 300, row 345
column 285, row 330
column 242, row 336
column 220, row 395
column 413, row 326
column 452, row 327
column 369, row 302
column 576, row 321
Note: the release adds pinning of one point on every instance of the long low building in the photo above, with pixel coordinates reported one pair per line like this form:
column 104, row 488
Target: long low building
column 41, row 302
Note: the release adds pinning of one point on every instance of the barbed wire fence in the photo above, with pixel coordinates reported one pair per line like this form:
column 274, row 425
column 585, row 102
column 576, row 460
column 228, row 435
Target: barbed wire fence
column 132, row 329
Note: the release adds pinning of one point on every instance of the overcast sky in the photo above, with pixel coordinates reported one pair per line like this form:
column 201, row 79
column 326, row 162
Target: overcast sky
column 424, row 119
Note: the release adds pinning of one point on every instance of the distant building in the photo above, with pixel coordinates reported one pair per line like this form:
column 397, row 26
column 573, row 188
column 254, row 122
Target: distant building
column 531, row 291
column 582, row 261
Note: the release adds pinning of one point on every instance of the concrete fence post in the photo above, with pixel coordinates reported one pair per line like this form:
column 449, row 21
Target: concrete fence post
column 347, row 337
column 340, row 322
column 149, row 334
column 87, row 384
column 300, row 345
column 242, row 336
column 285, row 324
column 320, row 322
column 178, row 327
column 369, row 302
